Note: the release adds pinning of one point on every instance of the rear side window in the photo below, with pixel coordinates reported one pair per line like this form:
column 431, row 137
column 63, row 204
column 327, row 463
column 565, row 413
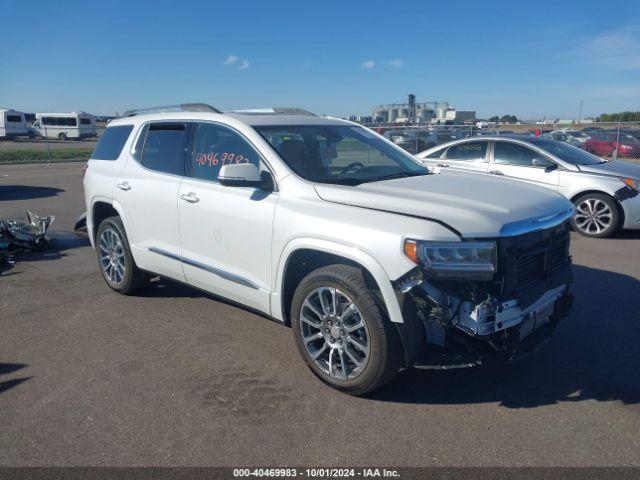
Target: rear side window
column 164, row 148
column 111, row 142
column 85, row 121
column 14, row 118
column 468, row 152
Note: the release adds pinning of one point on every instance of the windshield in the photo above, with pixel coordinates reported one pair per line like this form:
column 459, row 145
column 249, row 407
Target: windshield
column 568, row 153
column 339, row 154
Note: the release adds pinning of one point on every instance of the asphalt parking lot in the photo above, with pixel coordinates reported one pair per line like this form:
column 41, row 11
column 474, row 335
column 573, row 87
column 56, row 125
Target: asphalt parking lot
column 174, row 377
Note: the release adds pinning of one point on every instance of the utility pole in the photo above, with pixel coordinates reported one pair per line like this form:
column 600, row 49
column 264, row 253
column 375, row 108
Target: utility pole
column 580, row 113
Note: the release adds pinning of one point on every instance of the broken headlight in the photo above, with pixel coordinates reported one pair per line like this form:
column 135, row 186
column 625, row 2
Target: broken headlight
column 471, row 260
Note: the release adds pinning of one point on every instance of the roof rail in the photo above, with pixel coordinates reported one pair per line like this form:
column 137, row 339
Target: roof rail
column 274, row 111
column 183, row 107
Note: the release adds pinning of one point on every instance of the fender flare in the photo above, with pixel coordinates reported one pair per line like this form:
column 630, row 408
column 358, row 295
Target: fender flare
column 116, row 206
column 343, row 250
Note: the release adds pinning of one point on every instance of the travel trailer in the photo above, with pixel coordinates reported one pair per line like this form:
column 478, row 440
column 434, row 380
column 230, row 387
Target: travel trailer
column 12, row 124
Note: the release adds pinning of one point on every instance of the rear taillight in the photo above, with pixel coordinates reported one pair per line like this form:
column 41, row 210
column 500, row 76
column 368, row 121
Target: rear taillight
column 84, row 169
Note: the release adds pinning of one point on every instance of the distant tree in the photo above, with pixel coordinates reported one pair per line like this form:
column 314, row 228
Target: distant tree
column 619, row 117
column 495, row 118
column 508, row 119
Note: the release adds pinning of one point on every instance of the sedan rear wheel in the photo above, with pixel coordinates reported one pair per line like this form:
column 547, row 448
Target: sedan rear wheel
column 596, row 215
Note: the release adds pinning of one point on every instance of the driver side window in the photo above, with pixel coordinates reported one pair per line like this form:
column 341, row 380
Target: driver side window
column 507, row 153
column 215, row 146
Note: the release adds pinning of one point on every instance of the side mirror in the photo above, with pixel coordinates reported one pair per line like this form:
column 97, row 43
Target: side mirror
column 544, row 163
column 244, row 175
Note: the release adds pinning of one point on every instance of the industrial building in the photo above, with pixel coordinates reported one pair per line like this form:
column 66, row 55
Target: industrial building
column 426, row 112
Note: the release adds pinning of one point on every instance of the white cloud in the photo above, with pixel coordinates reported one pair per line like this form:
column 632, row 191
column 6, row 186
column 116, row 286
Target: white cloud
column 237, row 62
column 619, row 49
column 369, row 64
column 396, row 62
column 231, row 60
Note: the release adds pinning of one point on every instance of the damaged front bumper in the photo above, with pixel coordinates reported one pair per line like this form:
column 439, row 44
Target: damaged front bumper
column 457, row 334
column 449, row 324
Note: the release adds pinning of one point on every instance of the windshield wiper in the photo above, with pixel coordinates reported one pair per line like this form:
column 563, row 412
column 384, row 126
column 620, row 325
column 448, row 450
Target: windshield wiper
column 342, row 181
column 397, row 175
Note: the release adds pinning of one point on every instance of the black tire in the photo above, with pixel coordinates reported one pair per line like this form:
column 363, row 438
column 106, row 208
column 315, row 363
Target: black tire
column 385, row 351
column 62, row 137
column 132, row 279
column 582, row 210
column 31, row 136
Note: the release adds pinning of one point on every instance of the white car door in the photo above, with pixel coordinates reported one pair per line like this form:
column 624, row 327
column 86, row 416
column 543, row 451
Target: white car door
column 519, row 162
column 147, row 189
column 470, row 155
column 225, row 231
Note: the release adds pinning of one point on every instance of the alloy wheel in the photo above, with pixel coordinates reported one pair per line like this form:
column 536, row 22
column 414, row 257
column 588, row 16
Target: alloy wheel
column 334, row 333
column 593, row 216
column 112, row 260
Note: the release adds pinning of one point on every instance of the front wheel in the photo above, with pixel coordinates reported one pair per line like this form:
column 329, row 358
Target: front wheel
column 63, row 137
column 342, row 332
column 596, row 216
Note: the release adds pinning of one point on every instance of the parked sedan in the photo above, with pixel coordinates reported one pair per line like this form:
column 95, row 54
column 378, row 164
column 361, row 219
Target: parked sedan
column 561, row 136
column 612, row 144
column 578, row 135
column 605, row 194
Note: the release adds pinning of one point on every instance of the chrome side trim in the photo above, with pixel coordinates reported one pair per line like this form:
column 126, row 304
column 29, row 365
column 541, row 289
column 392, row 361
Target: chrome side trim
column 535, row 224
column 159, row 251
column 216, row 271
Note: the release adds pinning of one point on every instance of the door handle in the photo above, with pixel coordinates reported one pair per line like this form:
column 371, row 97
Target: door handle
column 496, row 172
column 444, row 165
column 190, row 197
column 123, row 186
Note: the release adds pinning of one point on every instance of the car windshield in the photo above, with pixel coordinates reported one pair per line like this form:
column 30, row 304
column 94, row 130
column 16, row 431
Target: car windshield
column 341, row 154
column 568, row 153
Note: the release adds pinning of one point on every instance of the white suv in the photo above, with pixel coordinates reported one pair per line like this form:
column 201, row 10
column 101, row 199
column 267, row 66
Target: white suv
column 377, row 262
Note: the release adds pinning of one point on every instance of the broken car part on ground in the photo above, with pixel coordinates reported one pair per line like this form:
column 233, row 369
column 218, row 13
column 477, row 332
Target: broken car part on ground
column 23, row 234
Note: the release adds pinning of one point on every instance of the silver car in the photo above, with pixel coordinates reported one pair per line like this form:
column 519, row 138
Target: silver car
column 606, row 194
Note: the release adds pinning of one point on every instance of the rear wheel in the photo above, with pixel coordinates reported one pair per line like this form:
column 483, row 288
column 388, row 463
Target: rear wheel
column 597, row 215
column 62, row 136
column 341, row 331
column 116, row 263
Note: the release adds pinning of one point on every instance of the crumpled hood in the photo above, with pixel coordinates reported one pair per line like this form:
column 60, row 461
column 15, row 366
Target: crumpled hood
column 617, row 168
column 475, row 205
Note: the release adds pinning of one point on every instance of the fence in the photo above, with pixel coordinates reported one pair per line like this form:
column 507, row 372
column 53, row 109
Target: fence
column 609, row 140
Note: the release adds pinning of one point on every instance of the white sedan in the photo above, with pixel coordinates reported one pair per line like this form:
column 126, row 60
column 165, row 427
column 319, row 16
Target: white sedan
column 605, row 194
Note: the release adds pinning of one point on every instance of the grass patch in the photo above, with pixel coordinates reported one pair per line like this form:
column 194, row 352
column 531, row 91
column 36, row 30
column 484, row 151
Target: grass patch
column 41, row 156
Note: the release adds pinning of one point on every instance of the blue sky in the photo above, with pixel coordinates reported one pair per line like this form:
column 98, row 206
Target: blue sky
column 532, row 59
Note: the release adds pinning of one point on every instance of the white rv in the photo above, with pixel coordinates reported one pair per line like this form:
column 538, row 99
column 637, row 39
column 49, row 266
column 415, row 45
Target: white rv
column 12, row 124
column 63, row 126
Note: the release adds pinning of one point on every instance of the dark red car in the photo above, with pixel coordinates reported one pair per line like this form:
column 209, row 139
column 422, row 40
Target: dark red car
column 610, row 144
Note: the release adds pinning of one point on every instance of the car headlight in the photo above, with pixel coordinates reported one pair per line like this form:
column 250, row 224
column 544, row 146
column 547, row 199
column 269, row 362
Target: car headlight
column 473, row 260
column 630, row 182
